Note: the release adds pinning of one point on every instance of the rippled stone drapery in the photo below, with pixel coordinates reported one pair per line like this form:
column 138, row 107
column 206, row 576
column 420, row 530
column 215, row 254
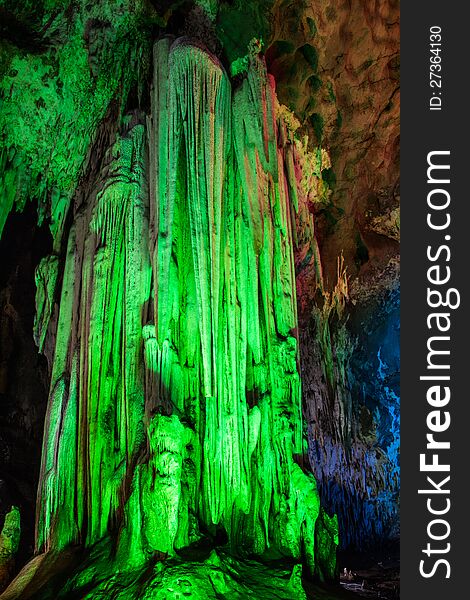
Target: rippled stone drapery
column 94, row 418
column 175, row 404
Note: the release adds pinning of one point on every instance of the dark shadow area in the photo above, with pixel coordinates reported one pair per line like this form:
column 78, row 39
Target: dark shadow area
column 372, row 574
column 24, row 376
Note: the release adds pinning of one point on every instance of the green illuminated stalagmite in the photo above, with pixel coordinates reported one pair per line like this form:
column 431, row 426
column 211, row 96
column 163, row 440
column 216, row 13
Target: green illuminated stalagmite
column 175, row 407
column 94, row 420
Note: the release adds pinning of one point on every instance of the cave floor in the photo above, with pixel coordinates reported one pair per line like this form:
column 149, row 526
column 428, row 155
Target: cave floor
column 372, row 575
column 98, row 573
column 47, row 578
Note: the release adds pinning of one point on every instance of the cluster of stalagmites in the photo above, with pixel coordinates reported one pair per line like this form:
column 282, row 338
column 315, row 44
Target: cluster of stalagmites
column 175, row 407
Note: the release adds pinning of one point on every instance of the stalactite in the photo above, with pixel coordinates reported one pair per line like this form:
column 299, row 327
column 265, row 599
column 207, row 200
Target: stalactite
column 46, row 279
column 182, row 204
column 94, row 421
column 223, row 253
column 175, row 401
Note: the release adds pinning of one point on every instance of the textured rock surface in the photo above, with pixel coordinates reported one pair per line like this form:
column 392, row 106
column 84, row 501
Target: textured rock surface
column 70, row 73
column 337, row 68
column 9, row 543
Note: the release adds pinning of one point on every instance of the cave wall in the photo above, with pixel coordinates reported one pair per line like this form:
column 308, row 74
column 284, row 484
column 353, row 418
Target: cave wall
column 336, row 68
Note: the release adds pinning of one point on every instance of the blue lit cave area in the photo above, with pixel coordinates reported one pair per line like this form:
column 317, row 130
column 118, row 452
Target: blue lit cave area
column 199, row 300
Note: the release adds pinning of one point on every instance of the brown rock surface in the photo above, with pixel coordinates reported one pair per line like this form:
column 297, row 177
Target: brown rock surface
column 337, row 67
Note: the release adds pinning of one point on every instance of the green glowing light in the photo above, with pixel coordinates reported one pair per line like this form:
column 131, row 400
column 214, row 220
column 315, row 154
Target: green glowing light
column 175, row 402
column 220, row 391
